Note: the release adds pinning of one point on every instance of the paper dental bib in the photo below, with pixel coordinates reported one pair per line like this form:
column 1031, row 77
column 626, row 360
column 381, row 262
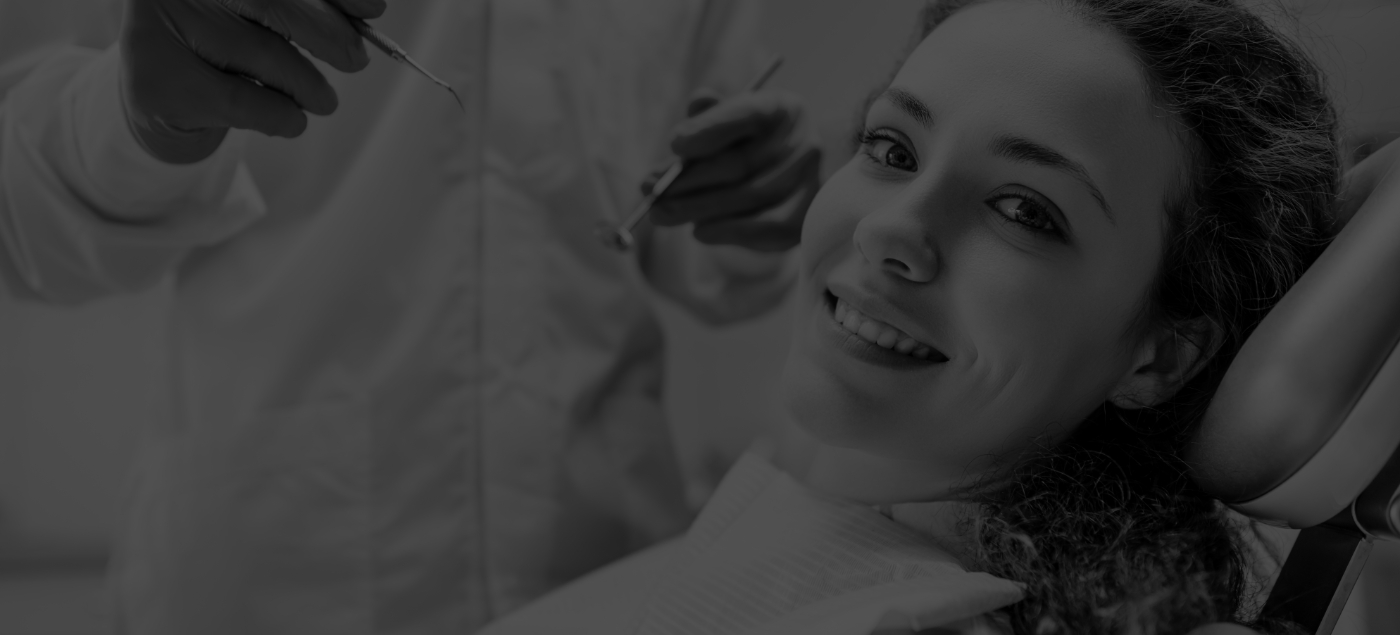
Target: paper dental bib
column 768, row 555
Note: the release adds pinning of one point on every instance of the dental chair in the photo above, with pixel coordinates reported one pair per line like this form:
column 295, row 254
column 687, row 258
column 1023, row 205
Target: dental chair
column 1304, row 431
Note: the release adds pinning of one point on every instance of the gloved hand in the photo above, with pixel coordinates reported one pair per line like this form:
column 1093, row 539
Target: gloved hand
column 187, row 65
column 752, row 168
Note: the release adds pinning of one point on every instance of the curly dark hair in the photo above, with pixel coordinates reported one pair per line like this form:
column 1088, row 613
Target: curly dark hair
column 1106, row 529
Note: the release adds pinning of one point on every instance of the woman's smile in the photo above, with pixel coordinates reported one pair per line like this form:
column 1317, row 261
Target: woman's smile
column 869, row 338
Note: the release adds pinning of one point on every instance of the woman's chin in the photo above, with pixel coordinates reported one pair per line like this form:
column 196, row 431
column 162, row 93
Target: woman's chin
column 836, row 415
column 839, row 442
column 811, row 402
column 825, row 457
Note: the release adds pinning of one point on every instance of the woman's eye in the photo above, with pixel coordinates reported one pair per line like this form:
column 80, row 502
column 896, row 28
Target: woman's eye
column 884, row 149
column 1027, row 212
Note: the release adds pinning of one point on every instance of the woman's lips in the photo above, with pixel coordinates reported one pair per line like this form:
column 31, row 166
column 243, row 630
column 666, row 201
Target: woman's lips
column 877, row 332
column 874, row 341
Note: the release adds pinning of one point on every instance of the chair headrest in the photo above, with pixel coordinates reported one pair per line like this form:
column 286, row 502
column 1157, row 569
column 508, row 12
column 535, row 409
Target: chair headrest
column 1309, row 412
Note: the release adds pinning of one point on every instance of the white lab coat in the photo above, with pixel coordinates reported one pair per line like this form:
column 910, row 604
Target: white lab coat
column 411, row 391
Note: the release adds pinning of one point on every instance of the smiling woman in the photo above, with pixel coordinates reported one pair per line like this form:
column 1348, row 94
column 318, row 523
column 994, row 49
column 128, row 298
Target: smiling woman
column 1063, row 218
column 1081, row 208
column 971, row 221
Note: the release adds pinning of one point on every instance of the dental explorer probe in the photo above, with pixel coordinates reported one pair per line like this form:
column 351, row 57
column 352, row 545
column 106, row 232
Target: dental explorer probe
column 396, row 52
column 619, row 237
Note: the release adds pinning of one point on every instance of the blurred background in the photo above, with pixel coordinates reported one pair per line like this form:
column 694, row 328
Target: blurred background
column 76, row 385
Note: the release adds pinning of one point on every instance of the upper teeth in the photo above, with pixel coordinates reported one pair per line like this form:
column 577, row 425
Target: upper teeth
column 879, row 333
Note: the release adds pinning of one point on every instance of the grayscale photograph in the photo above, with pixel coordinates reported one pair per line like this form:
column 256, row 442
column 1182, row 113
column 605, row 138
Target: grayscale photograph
column 699, row 317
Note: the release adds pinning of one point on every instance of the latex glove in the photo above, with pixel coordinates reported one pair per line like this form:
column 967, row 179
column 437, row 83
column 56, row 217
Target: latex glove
column 753, row 167
column 187, row 65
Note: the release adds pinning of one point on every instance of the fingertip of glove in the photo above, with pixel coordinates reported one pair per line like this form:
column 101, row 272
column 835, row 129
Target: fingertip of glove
column 688, row 142
column 324, row 107
column 375, row 8
column 291, row 126
column 364, row 9
column 356, row 57
column 700, row 103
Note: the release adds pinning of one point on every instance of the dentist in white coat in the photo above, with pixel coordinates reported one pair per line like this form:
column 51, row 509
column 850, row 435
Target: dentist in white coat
column 410, row 389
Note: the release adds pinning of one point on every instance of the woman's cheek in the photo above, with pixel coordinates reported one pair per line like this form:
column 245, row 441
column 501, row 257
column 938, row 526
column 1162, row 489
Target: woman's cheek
column 1001, row 296
column 1017, row 319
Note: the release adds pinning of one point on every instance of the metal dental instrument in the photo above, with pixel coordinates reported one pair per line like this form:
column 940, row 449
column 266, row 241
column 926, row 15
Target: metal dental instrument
column 619, row 237
column 396, row 52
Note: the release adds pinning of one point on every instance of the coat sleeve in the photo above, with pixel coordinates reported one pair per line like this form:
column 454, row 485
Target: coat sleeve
column 85, row 212
column 720, row 284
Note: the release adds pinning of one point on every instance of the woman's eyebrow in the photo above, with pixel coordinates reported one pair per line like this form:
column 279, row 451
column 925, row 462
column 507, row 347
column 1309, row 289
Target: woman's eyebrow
column 910, row 104
column 1024, row 150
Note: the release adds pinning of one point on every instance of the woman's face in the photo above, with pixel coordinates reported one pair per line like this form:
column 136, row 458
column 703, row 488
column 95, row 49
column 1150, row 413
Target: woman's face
column 971, row 276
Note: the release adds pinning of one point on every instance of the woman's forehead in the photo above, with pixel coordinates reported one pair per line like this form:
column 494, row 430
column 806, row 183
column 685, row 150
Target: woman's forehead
column 1027, row 69
column 1027, row 52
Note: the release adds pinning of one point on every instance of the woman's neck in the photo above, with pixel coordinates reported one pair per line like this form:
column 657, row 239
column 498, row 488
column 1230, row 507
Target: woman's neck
column 862, row 476
column 942, row 522
column 917, row 495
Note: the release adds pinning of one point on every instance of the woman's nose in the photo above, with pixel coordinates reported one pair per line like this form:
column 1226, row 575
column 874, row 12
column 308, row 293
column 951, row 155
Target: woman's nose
column 894, row 240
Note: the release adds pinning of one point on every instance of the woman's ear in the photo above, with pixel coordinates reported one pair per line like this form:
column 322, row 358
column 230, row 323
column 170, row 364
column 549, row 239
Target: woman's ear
column 1167, row 359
